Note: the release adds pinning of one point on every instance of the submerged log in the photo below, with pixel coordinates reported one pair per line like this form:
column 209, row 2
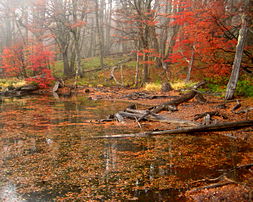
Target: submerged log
column 204, row 128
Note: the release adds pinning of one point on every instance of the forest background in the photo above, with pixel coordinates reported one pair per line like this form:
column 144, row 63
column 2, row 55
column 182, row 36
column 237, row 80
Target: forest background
column 128, row 43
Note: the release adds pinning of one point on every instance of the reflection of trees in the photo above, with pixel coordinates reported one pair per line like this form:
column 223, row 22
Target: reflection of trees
column 45, row 158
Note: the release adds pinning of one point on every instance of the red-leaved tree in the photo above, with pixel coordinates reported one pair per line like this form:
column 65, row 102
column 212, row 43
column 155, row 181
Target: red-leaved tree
column 202, row 39
column 31, row 62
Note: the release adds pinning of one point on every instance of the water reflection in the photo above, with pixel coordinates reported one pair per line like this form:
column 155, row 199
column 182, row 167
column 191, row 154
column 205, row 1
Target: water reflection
column 46, row 155
column 9, row 193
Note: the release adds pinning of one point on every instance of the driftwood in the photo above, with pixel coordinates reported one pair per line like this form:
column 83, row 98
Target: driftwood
column 244, row 110
column 58, row 84
column 237, row 106
column 140, row 95
column 200, row 98
column 173, row 103
column 214, row 113
column 206, row 128
column 138, row 114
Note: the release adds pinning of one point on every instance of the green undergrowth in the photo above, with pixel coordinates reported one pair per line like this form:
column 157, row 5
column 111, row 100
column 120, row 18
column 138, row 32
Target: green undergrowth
column 218, row 86
column 125, row 76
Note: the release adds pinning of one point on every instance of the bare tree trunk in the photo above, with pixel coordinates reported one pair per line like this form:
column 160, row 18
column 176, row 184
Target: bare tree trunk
column 66, row 67
column 100, row 31
column 190, row 65
column 237, row 60
column 137, row 67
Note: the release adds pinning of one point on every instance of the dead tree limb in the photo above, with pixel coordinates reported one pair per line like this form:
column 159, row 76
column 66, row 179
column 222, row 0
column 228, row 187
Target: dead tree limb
column 214, row 113
column 237, row 106
column 174, row 103
column 137, row 114
column 203, row 128
column 244, row 111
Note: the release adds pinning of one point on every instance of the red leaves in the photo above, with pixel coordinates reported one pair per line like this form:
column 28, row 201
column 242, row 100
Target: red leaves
column 200, row 32
column 32, row 60
column 12, row 60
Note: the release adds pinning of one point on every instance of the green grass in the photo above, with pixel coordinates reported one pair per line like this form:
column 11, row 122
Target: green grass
column 215, row 85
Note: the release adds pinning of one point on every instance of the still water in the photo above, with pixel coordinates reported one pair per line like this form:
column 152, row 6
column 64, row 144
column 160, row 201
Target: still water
column 48, row 153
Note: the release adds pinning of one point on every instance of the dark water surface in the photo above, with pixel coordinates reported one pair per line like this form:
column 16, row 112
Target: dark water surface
column 47, row 153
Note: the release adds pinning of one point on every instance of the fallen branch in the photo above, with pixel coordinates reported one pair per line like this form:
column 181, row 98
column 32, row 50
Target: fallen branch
column 237, row 106
column 244, row 111
column 214, row 113
column 206, row 128
column 139, row 114
column 172, row 104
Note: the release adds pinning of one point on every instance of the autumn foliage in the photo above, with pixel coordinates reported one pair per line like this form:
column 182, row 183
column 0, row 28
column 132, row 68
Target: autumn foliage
column 31, row 62
column 203, row 31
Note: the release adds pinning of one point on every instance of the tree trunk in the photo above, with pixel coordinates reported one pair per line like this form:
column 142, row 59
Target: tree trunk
column 237, row 60
column 190, row 65
column 207, row 128
column 100, row 31
column 67, row 69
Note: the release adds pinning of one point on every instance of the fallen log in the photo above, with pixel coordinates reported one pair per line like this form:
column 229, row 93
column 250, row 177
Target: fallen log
column 138, row 114
column 174, row 103
column 203, row 128
column 171, row 105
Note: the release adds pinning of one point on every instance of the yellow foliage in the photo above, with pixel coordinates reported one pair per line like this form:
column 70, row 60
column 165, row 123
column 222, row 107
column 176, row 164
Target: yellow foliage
column 177, row 85
column 152, row 87
column 4, row 83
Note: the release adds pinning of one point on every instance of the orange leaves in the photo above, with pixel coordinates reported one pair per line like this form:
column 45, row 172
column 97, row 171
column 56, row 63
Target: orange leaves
column 147, row 62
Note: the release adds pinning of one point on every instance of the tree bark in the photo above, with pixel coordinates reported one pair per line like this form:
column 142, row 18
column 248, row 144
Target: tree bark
column 206, row 128
column 231, row 87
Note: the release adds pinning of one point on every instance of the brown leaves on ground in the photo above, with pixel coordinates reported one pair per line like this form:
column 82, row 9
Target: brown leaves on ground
column 225, row 193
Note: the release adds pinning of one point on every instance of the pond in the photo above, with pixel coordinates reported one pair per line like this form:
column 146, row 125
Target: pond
column 48, row 153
